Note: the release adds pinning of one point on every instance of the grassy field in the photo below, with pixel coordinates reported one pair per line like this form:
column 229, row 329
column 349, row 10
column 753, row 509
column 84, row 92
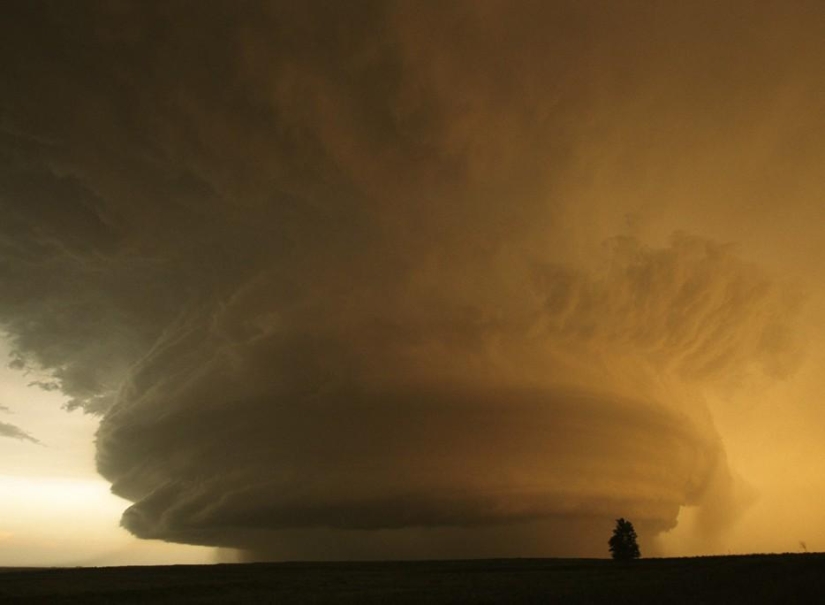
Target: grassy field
column 789, row 578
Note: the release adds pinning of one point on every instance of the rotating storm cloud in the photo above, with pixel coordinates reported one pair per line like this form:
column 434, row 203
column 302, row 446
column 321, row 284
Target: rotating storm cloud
column 397, row 280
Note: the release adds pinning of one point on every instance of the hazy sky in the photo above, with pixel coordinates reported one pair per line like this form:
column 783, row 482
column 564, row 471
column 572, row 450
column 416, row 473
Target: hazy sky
column 412, row 279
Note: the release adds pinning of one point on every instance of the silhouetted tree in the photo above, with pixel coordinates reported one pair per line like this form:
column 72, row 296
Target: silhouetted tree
column 623, row 546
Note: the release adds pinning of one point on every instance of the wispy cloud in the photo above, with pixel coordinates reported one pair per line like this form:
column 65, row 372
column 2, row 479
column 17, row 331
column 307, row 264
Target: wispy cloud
column 13, row 432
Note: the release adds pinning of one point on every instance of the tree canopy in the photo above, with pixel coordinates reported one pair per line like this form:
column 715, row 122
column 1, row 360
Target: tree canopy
column 623, row 546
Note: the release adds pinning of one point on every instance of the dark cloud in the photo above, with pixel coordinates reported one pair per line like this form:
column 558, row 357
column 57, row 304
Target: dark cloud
column 13, row 432
column 384, row 421
column 320, row 268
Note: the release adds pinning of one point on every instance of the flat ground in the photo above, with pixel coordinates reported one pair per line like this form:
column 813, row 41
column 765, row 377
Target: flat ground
column 789, row 578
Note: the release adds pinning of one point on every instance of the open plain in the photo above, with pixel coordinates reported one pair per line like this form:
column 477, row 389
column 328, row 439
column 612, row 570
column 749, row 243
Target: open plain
column 785, row 578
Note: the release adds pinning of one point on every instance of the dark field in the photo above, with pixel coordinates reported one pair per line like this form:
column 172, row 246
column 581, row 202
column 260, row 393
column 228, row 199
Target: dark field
column 734, row 579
